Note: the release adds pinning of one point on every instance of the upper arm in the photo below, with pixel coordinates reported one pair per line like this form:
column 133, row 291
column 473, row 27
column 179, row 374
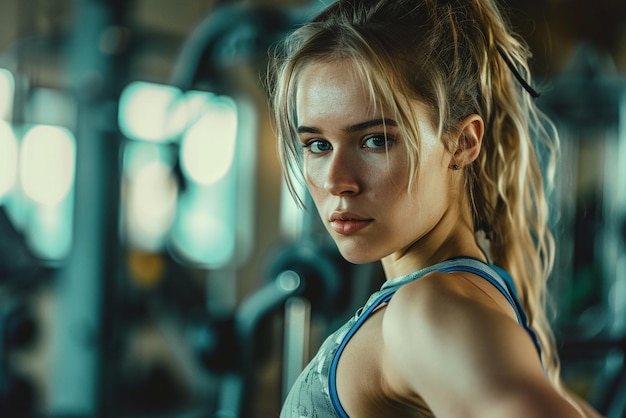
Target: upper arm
column 463, row 355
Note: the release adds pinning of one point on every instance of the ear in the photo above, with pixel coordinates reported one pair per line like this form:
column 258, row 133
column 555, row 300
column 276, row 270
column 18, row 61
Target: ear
column 469, row 141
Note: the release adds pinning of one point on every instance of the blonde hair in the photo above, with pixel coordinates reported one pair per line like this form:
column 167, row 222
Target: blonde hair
column 451, row 55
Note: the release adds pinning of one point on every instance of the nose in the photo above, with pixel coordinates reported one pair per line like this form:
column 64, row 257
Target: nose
column 342, row 175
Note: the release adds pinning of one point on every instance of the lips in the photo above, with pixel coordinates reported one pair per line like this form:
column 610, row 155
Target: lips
column 346, row 223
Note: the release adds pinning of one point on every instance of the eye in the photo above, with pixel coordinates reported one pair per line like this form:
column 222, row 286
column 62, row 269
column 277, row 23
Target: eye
column 318, row 146
column 377, row 142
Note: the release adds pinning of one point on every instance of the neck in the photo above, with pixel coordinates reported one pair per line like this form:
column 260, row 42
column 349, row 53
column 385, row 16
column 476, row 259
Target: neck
column 443, row 243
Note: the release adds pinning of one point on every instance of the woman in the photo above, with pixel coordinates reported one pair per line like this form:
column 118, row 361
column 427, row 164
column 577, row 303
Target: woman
column 416, row 136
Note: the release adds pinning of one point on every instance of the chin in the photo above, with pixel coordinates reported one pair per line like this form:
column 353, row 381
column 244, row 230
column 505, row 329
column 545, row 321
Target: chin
column 356, row 255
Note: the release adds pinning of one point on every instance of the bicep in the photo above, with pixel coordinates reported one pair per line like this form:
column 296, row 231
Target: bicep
column 465, row 358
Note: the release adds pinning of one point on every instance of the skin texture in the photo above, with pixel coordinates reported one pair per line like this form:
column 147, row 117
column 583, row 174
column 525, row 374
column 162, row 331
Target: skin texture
column 446, row 340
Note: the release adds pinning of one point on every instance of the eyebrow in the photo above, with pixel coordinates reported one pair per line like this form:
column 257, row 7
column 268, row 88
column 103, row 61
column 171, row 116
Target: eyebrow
column 352, row 128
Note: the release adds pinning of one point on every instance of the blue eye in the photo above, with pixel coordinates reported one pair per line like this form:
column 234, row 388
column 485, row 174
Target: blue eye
column 318, row 146
column 377, row 141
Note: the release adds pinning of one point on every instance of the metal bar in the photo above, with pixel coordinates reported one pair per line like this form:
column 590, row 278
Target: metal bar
column 88, row 276
column 296, row 340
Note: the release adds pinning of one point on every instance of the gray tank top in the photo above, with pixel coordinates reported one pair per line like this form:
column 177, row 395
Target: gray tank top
column 314, row 393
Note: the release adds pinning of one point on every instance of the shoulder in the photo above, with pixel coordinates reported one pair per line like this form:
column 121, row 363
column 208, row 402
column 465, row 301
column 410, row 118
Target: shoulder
column 445, row 318
column 451, row 300
column 445, row 308
column 446, row 340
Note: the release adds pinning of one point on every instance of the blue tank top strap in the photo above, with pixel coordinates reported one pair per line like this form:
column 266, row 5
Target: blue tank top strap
column 363, row 316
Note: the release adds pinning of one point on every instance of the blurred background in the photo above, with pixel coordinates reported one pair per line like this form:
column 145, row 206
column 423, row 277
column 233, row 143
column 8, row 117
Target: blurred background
column 151, row 262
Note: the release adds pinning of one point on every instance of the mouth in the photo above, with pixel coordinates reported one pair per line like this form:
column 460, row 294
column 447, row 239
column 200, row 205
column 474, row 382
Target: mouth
column 348, row 223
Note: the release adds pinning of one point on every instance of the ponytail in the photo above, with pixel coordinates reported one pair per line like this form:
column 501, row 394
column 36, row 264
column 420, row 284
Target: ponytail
column 512, row 178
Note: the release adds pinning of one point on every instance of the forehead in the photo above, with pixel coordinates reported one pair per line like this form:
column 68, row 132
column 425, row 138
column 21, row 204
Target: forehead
column 327, row 88
column 343, row 89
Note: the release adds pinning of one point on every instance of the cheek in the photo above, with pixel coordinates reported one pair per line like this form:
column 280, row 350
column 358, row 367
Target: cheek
column 313, row 175
column 393, row 179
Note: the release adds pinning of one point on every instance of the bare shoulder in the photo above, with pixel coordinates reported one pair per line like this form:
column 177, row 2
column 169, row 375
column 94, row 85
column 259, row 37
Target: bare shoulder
column 442, row 302
column 446, row 340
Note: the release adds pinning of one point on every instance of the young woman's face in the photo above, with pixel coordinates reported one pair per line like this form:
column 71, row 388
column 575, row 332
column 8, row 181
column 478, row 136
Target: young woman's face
column 358, row 177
